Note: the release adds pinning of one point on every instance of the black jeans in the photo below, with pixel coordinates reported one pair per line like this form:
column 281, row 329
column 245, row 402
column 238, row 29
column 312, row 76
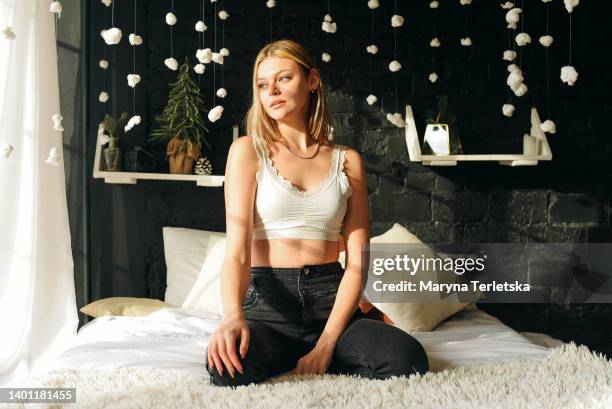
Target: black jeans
column 286, row 310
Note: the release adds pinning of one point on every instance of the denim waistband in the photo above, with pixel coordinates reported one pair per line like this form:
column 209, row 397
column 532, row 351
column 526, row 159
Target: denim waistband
column 306, row 269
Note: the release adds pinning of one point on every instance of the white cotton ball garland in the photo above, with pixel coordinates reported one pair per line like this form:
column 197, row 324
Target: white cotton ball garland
column 135, row 120
column 508, row 110
column 171, row 63
column 135, row 39
column 215, row 113
column 397, row 20
column 465, row 2
column 107, row 3
column 204, row 55
column 569, row 75
column 371, row 99
column 326, row 57
column 199, row 68
column 103, row 64
column 224, row 52
column 53, row 158
column 570, row 4
column 6, row 150
column 133, row 80
column 218, row 58
column 548, row 126
column 57, row 122
column 433, row 77
column 170, row 18
column 509, row 55
column 8, row 33
column 520, row 90
column 103, row 97
column 200, row 26
column 112, row 36
column 396, row 119
column 221, row 92
column 372, row 49
column 522, row 39
column 546, row 40
column 56, row 7
column 435, row 42
column 373, row 4
column 395, row 66
column 513, row 17
column 328, row 26
column 270, row 3
column 434, row 5
column 223, row 15
column 466, row 42
column 507, row 5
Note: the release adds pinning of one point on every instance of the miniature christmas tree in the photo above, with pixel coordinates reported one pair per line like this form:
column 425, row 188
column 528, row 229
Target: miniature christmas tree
column 181, row 123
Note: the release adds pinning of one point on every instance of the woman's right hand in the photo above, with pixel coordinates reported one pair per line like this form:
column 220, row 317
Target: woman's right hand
column 222, row 345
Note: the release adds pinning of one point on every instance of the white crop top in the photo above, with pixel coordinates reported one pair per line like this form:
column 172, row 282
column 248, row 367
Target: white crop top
column 283, row 211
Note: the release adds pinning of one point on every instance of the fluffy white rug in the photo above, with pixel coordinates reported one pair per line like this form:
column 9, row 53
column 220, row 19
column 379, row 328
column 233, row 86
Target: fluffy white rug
column 569, row 377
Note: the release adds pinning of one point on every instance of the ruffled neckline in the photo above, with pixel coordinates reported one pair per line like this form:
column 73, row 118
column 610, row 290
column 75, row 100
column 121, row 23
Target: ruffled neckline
column 288, row 185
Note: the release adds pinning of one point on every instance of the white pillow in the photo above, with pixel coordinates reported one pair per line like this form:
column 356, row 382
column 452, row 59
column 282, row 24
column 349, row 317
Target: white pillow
column 413, row 317
column 205, row 296
column 184, row 250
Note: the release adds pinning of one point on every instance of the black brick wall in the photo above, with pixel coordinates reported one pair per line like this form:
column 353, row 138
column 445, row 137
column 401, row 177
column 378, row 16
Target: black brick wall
column 565, row 200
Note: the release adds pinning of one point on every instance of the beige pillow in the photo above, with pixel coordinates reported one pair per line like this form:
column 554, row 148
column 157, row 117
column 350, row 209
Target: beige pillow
column 205, row 295
column 125, row 306
column 413, row 317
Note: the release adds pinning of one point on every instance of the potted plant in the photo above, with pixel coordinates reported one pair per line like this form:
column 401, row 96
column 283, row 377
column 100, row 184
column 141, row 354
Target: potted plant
column 113, row 127
column 181, row 125
column 441, row 133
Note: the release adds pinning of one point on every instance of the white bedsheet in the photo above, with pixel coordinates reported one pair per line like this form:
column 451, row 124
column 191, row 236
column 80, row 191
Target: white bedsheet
column 176, row 340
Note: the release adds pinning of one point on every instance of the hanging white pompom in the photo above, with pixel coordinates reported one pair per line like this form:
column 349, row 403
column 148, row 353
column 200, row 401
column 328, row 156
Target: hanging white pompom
column 107, row 3
column 569, row 75
column 570, row 4
column 135, row 39
column 135, row 120
column 522, row 39
column 8, row 33
column 171, row 63
column 57, row 122
column 433, row 77
column 513, row 17
column 548, row 126
column 509, row 55
column 327, row 18
column 215, row 113
column 213, row 1
column 103, row 64
column 435, row 42
column 103, row 97
column 103, row 138
column 395, row 66
column 373, row 4
column 515, row 79
column 204, row 55
column 217, row 57
column 221, row 92
column 521, row 90
column 508, row 110
column 224, row 52
column 270, row 3
column 326, row 57
column 546, row 1
column 200, row 26
column 546, row 40
column 170, row 18
column 133, row 79
column 371, row 99
column 512, row 67
column 56, row 7
column 199, row 68
column 507, row 5
column 396, row 119
column 6, row 150
column 397, row 20
column 328, row 27
column 465, row 2
column 466, row 42
column 372, row 49
column 112, row 36
column 53, row 158
column 223, row 15
column 433, row 5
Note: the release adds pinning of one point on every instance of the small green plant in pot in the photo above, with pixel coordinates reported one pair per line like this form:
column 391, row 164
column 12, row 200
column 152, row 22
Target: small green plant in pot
column 441, row 133
column 181, row 125
column 113, row 127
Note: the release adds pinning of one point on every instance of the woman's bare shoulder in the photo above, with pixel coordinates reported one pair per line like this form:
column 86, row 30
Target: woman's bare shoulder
column 243, row 148
column 353, row 161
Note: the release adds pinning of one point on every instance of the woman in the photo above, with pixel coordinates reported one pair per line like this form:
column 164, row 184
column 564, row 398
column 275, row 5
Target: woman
column 286, row 207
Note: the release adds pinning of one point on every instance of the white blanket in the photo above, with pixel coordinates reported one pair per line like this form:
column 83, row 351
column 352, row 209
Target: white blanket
column 176, row 340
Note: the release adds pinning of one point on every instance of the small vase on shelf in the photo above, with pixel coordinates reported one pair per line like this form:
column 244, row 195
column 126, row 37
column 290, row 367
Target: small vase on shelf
column 112, row 155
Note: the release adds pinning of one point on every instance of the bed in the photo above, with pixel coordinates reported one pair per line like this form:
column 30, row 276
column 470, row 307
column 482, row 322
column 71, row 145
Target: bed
column 175, row 339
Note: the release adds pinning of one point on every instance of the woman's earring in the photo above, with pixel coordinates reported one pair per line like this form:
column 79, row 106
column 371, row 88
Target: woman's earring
column 312, row 92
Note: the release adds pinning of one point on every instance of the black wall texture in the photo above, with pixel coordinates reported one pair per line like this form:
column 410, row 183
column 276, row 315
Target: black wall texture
column 564, row 200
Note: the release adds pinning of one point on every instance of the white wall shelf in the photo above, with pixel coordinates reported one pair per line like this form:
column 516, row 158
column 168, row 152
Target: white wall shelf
column 542, row 148
column 131, row 178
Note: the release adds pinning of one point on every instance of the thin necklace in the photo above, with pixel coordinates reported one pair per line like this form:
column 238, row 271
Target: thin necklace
column 301, row 157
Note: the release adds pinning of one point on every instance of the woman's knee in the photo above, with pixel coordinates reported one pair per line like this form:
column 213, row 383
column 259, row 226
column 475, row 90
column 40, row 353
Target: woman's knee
column 253, row 371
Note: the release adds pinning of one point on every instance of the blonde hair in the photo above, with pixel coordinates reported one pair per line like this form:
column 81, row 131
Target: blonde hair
column 260, row 123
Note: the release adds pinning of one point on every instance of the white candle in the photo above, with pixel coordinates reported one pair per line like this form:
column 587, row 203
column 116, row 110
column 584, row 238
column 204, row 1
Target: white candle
column 530, row 145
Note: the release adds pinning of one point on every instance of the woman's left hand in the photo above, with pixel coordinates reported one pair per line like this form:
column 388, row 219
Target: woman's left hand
column 316, row 361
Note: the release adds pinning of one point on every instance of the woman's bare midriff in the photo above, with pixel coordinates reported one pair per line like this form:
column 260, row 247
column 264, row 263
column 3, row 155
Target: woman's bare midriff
column 293, row 253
